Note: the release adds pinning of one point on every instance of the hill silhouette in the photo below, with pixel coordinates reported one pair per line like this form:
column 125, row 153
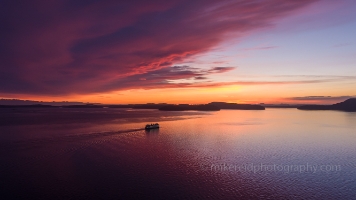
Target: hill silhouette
column 235, row 106
column 20, row 102
column 348, row 105
column 183, row 107
column 213, row 106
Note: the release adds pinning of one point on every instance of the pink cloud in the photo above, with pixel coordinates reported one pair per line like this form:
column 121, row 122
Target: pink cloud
column 60, row 47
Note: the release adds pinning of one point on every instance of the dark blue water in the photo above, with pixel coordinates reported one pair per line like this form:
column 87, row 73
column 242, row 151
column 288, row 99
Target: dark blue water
column 105, row 154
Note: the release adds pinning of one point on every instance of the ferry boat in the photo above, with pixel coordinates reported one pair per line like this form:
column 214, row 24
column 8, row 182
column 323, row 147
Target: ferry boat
column 152, row 126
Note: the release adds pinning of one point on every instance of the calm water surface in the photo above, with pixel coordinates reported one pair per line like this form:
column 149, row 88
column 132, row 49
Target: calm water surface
column 105, row 154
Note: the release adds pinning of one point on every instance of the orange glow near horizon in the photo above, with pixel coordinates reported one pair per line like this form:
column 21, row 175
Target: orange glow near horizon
column 231, row 93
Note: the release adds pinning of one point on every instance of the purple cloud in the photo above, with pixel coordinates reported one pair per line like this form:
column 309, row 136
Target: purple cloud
column 63, row 47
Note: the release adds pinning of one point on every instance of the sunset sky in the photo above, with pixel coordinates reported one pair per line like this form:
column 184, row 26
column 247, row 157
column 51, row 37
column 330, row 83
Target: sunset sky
column 178, row 51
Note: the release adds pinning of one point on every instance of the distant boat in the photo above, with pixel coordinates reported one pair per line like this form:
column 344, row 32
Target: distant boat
column 152, row 126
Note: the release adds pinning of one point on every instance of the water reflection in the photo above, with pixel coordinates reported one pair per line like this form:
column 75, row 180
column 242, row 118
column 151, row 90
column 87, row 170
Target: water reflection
column 114, row 157
column 152, row 131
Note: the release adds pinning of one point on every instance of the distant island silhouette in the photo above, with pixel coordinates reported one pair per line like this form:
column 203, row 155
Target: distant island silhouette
column 213, row 106
column 236, row 106
column 183, row 107
column 348, row 105
column 282, row 105
column 12, row 102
